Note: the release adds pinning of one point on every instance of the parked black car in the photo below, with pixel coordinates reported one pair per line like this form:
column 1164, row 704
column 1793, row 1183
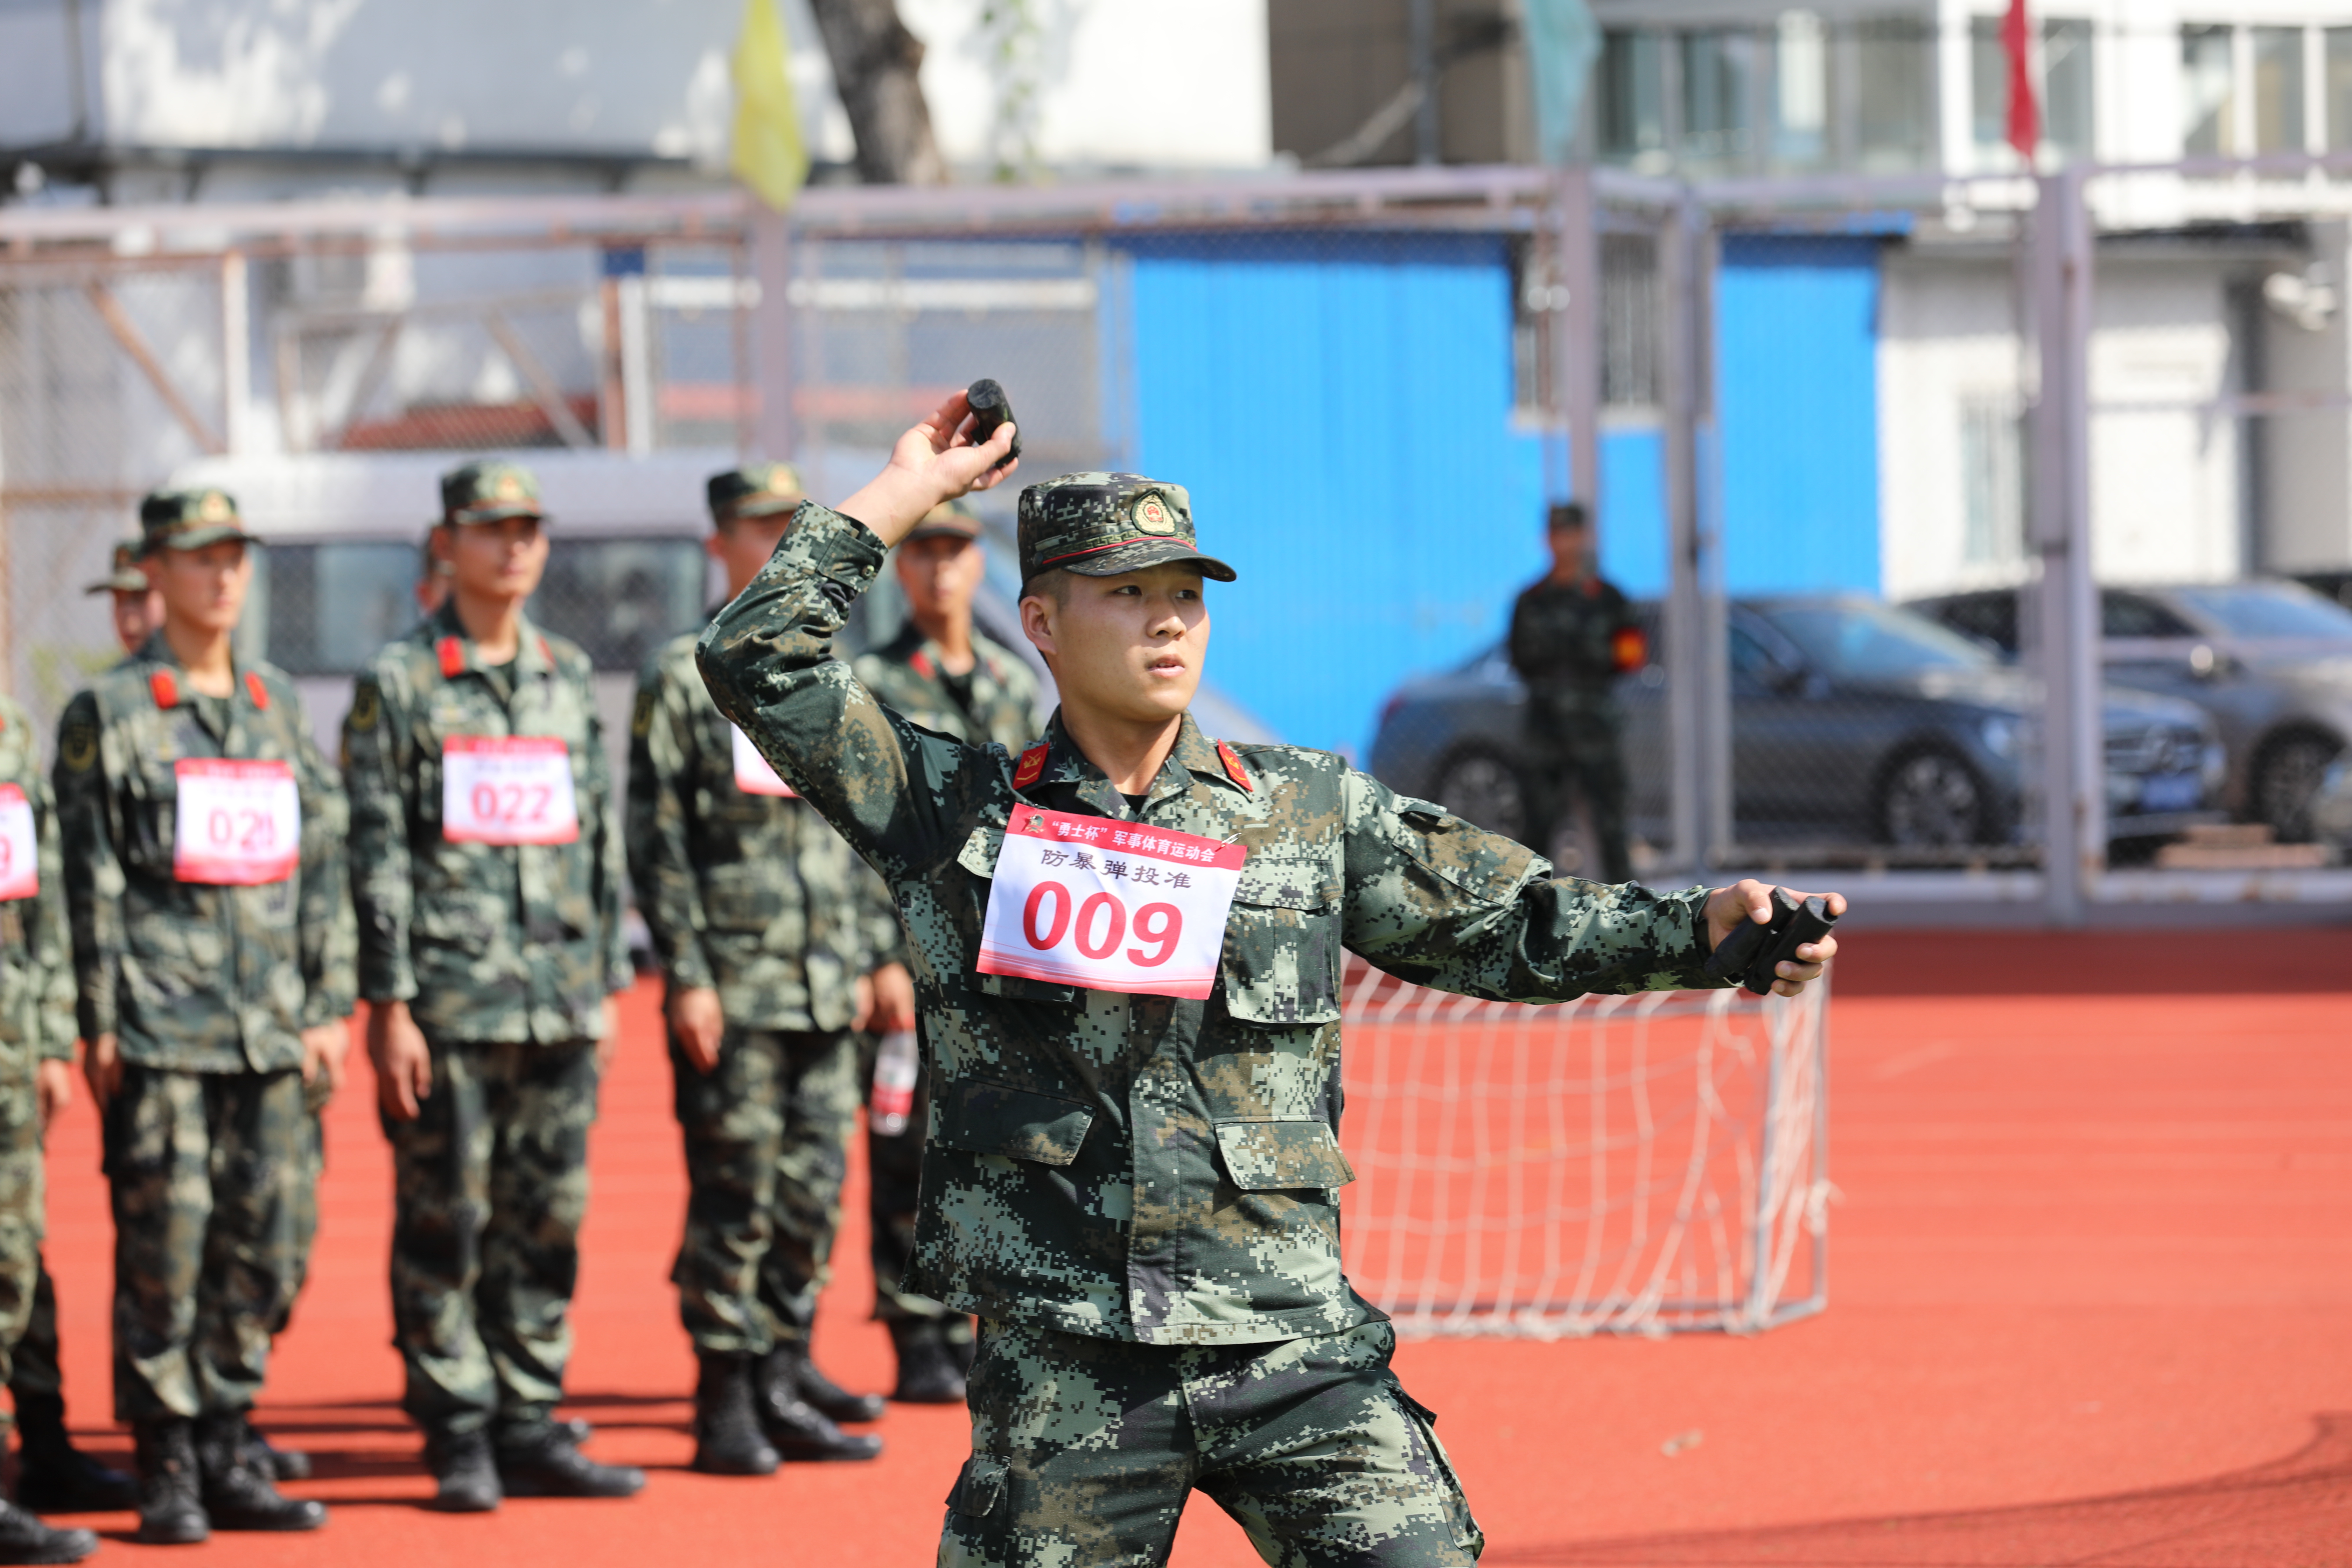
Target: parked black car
column 2270, row 660
column 1853, row 724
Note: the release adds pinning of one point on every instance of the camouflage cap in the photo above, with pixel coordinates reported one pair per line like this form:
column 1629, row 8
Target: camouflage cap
column 948, row 520
column 124, row 577
column 755, row 490
column 488, row 490
column 1099, row 525
column 188, row 519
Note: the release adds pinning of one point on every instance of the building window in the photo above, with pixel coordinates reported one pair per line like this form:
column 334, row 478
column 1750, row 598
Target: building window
column 1633, row 96
column 1800, row 91
column 1992, row 481
column 2339, row 88
column 2207, row 93
column 1894, row 95
column 2278, row 89
column 1718, row 96
column 1629, row 320
column 2068, row 126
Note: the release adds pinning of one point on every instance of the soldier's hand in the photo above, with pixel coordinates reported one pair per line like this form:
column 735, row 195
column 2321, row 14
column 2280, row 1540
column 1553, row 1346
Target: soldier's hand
column 894, row 999
column 862, row 990
column 324, row 1050
column 103, row 1068
column 935, row 461
column 402, row 1062
column 52, row 1089
column 695, row 1018
column 1750, row 899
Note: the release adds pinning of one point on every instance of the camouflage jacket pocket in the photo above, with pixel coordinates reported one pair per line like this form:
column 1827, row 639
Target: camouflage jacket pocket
column 1016, row 1123
column 1270, row 1156
column 740, row 903
column 1282, row 955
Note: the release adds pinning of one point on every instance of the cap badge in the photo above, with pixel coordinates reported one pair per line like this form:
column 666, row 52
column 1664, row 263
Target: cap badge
column 508, row 487
column 779, row 483
column 213, row 508
column 1152, row 516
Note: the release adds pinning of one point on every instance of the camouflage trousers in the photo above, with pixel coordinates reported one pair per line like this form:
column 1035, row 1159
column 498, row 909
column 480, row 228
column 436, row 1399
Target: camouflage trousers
column 1577, row 751
column 767, row 1149
column 490, row 1185
column 22, row 1220
column 1084, row 1451
column 204, row 1169
column 313, row 1158
column 33, row 1372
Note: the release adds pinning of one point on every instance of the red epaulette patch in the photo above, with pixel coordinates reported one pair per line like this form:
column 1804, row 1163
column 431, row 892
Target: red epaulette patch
column 256, row 691
column 921, row 664
column 453, row 657
column 165, row 689
column 1033, row 766
column 1233, row 769
column 546, row 652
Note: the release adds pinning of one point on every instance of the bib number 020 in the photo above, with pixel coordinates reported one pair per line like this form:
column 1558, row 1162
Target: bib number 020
column 1108, row 905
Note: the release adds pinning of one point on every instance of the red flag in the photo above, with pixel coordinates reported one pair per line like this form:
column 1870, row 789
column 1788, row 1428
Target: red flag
column 2024, row 109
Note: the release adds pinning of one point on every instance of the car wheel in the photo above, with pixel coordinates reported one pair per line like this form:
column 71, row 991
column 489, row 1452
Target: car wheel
column 2286, row 780
column 1480, row 787
column 1930, row 799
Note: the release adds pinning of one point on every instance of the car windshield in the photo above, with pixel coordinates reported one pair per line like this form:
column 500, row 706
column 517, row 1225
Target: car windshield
column 1861, row 641
column 2270, row 610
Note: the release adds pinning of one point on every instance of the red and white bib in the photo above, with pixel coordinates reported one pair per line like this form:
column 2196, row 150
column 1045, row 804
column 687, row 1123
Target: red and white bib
column 20, row 846
column 239, row 822
column 507, row 789
column 753, row 775
column 1108, row 905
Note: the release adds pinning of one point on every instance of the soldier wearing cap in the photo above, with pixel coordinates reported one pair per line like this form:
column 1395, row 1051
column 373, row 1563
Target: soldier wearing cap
column 1127, row 945
column 943, row 673
column 1571, row 636
column 137, row 609
column 767, row 928
column 486, row 865
column 211, row 936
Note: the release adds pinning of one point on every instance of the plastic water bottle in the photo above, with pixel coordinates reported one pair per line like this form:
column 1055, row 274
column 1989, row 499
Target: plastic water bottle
column 893, row 1100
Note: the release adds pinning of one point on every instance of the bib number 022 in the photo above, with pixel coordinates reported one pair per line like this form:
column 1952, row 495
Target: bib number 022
column 1108, row 905
column 507, row 789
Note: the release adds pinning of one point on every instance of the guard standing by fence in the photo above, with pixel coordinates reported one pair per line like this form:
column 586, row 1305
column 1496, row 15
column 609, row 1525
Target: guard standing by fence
column 486, row 871
column 1573, row 636
column 943, row 672
column 213, row 953
column 766, row 926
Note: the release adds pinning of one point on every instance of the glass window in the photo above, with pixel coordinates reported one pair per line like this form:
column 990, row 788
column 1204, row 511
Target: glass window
column 1988, row 93
column 327, row 607
column 2207, row 93
column 1992, row 481
column 1633, row 95
column 1856, row 641
column 1894, row 98
column 2339, row 88
column 2270, row 610
column 621, row 599
column 1800, row 91
column 1718, row 96
column 1990, row 618
column 2278, row 89
column 2067, row 124
column 2125, row 615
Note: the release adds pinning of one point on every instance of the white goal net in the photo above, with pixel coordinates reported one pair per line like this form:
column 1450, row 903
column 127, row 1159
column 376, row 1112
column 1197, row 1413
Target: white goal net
column 1629, row 1164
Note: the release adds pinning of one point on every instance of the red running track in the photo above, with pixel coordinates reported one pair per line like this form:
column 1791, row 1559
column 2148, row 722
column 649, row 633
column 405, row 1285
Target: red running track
column 2089, row 1284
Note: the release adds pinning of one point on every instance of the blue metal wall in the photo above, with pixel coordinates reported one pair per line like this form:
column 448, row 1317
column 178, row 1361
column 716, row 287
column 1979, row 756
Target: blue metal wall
column 1797, row 398
column 1339, row 406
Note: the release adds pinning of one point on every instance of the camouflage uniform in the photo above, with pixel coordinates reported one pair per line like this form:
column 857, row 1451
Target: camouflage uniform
column 998, row 701
column 1139, row 1192
column 207, row 988
column 1569, row 643
column 755, row 897
column 505, row 955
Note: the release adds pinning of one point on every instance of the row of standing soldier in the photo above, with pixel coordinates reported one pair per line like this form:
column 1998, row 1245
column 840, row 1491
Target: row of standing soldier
column 225, row 898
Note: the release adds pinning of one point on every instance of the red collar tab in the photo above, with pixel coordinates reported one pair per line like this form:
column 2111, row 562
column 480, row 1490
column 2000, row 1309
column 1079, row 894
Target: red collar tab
column 166, row 689
column 256, row 691
column 1033, row 766
column 453, row 657
column 546, row 652
column 1233, row 769
column 922, row 665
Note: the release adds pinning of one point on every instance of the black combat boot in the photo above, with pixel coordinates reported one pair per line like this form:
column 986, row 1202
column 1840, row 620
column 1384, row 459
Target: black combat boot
column 928, row 1374
column 171, row 1511
column 797, row 1428
column 274, row 1463
column 830, row 1399
column 541, row 1460
column 24, row 1538
column 727, row 1436
column 55, row 1477
column 236, row 1495
column 465, row 1477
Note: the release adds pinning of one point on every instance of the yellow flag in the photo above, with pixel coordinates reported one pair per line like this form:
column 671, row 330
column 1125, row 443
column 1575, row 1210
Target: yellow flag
column 768, row 155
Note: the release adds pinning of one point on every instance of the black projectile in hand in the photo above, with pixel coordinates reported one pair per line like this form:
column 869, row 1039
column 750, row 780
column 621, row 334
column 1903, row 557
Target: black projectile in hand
column 989, row 408
column 1754, row 953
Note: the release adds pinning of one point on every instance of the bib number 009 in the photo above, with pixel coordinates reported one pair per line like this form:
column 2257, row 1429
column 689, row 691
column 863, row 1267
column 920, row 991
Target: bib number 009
column 20, row 846
column 1108, row 905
